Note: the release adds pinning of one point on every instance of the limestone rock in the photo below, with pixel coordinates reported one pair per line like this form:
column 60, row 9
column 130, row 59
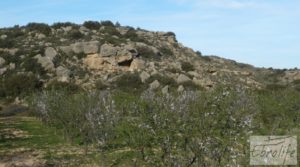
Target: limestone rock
column 91, row 47
column 154, row 85
column 63, row 74
column 94, row 62
column 137, row 64
column 46, row 63
column 180, row 88
column 165, row 90
column 108, row 50
column 86, row 47
column 3, row 70
column 144, row 76
column 66, row 49
column 2, row 62
column 50, row 53
column 182, row 79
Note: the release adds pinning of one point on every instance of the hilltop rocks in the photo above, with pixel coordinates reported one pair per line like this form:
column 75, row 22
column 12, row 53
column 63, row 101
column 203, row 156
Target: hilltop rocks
column 182, row 79
column 85, row 47
column 154, row 85
column 50, row 53
column 144, row 76
column 63, row 74
column 94, row 62
column 46, row 62
column 2, row 62
column 108, row 50
column 137, row 64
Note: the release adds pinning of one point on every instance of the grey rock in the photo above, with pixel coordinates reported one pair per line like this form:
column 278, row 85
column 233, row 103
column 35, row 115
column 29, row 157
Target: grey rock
column 63, row 74
column 180, row 88
column 12, row 66
column 77, row 47
column 165, row 90
column 2, row 62
column 3, row 37
column 182, row 79
column 40, row 36
column 86, row 47
column 46, row 63
column 137, row 64
column 154, row 85
column 144, row 76
column 3, row 70
column 108, row 50
column 66, row 49
column 91, row 47
column 50, row 53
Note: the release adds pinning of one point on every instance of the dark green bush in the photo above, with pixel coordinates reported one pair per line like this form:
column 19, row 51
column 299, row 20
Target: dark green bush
column 92, row 25
column 166, row 51
column 107, row 23
column 63, row 86
column 186, row 66
column 60, row 25
column 99, row 85
column 164, row 80
column 20, row 84
column 129, row 82
column 7, row 43
column 147, row 53
column 39, row 27
column 75, row 34
column 31, row 64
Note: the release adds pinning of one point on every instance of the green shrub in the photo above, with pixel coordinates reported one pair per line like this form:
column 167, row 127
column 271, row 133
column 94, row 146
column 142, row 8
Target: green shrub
column 31, row 64
column 275, row 87
column 164, row 80
column 92, row 25
column 75, row 34
column 63, row 86
column 147, row 53
column 129, row 82
column 99, row 85
column 186, row 66
column 107, row 23
column 7, row 43
column 20, row 84
column 60, row 25
column 166, row 51
column 39, row 27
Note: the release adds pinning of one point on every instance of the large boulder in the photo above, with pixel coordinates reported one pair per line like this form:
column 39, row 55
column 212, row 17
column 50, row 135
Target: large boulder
column 182, row 79
column 144, row 76
column 2, row 62
column 46, row 63
column 154, row 85
column 91, row 47
column 86, row 47
column 63, row 74
column 66, row 49
column 50, row 53
column 108, row 50
column 124, row 57
column 94, row 62
column 137, row 64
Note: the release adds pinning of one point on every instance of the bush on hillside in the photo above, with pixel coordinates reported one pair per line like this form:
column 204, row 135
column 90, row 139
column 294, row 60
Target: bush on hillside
column 92, row 25
column 19, row 84
column 39, row 27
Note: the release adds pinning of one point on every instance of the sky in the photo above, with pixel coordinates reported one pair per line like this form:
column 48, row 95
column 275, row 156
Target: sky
column 264, row 33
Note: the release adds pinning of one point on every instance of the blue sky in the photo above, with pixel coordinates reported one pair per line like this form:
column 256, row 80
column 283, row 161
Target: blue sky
column 264, row 33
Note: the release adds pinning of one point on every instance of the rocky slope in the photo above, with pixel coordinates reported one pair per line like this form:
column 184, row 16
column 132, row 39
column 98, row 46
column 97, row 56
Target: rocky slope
column 105, row 55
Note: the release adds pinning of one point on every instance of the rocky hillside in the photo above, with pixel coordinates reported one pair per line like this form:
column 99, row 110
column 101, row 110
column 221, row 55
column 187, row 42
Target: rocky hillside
column 104, row 55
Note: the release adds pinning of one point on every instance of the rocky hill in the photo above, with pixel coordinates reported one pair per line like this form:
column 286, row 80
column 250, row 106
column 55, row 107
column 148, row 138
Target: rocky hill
column 104, row 55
